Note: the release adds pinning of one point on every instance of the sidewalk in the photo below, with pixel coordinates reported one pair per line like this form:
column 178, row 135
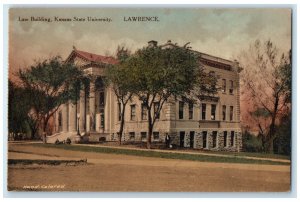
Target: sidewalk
column 186, row 152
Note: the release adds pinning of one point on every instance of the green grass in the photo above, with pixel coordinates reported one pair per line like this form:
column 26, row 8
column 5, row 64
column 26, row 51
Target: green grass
column 251, row 154
column 181, row 156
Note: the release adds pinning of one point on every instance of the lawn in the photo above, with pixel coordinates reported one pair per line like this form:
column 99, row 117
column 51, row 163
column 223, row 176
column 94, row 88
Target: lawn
column 181, row 156
column 251, row 154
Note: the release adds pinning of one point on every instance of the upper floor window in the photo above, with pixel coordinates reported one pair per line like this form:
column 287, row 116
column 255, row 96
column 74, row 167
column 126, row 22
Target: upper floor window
column 132, row 112
column 144, row 112
column 181, row 106
column 224, row 112
column 156, row 110
column 223, row 85
column 213, row 112
column 231, row 113
column 203, row 114
column 212, row 73
column 231, row 87
column 191, row 110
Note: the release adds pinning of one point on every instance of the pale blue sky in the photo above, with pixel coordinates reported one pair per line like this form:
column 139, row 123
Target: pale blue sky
column 220, row 32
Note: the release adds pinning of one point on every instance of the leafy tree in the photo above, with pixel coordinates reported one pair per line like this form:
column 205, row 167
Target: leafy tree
column 266, row 82
column 282, row 143
column 117, row 76
column 160, row 74
column 18, row 109
column 50, row 82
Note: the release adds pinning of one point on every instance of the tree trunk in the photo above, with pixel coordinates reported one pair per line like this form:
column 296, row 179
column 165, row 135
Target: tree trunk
column 33, row 131
column 271, row 146
column 121, row 124
column 272, row 126
column 44, row 129
column 150, row 129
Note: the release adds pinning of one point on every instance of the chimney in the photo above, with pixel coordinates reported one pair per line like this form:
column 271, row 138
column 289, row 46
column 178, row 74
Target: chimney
column 152, row 43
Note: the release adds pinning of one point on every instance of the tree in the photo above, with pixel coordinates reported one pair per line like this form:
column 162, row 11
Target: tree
column 117, row 76
column 18, row 109
column 50, row 81
column 282, row 143
column 159, row 74
column 266, row 82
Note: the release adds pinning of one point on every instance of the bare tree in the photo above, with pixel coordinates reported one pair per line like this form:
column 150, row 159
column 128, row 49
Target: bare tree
column 264, row 85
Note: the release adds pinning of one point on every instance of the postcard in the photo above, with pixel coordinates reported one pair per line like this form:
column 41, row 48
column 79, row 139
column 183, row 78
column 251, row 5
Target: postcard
column 149, row 99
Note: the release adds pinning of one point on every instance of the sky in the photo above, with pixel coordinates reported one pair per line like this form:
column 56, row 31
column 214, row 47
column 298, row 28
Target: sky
column 219, row 32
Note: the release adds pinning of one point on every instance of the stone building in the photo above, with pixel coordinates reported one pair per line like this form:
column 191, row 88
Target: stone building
column 213, row 123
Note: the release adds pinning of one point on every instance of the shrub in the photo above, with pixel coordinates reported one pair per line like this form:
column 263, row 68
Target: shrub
column 68, row 141
column 251, row 143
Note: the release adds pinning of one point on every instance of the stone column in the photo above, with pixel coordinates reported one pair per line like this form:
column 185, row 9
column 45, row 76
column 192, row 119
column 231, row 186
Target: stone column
column 64, row 118
column 82, row 111
column 72, row 117
column 92, row 106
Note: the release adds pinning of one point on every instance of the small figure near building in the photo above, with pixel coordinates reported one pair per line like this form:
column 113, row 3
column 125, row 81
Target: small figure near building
column 167, row 140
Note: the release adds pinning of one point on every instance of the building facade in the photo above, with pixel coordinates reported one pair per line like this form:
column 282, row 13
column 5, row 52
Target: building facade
column 213, row 123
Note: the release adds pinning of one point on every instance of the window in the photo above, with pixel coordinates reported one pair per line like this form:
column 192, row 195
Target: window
column 225, row 138
column 232, row 139
column 191, row 109
column 132, row 112
column 156, row 135
column 223, row 85
column 101, row 99
column 214, row 138
column 231, row 87
column 131, row 135
column 119, row 111
column 144, row 112
column 213, row 112
column 204, row 139
column 203, row 111
column 102, row 120
column 224, row 112
column 212, row 73
column 156, row 110
column 181, row 105
column 231, row 113
column 143, row 135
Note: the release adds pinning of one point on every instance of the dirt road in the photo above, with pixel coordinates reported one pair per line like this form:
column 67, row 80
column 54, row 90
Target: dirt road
column 110, row 172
